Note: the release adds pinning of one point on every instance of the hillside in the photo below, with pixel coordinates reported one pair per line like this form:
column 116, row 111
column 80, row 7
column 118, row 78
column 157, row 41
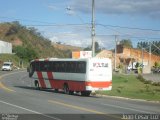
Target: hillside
column 66, row 47
column 29, row 39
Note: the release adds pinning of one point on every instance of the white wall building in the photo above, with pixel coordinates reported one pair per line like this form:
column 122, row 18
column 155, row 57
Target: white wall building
column 5, row 47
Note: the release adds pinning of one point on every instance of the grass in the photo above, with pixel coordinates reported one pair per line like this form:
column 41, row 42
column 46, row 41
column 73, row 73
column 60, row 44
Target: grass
column 131, row 87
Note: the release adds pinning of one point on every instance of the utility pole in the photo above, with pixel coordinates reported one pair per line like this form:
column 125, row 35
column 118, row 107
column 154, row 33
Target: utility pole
column 93, row 28
column 142, row 58
column 150, row 53
column 115, row 53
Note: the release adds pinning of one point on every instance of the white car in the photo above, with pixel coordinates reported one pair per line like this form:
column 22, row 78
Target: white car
column 7, row 66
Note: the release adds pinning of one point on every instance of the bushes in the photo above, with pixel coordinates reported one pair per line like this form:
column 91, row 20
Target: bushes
column 140, row 77
column 157, row 64
column 25, row 53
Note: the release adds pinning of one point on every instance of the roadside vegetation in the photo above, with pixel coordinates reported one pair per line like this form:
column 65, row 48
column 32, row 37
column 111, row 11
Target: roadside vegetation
column 28, row 44
column 131, row 86
column 28, row 40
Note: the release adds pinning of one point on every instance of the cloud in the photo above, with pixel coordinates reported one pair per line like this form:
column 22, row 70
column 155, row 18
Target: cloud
column 82, row 40
column 56, row 5
column 107, row 42
column 71, row 39
column 130, row 7
column 52, row 7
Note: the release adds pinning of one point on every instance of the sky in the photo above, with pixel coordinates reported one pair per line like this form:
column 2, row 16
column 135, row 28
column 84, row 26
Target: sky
column 69, row 21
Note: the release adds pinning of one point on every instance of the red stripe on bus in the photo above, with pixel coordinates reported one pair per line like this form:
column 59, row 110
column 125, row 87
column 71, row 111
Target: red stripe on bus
column 99, row 84
column 73, row 85
column 78, row 85
column 50, row 77
column 41, row 80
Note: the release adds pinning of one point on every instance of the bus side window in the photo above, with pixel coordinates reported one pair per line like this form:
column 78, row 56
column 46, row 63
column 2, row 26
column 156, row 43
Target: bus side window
column 31, row 69
column 84, row 67
column 56, row 67
column 53, row 67
column 43, row 66
column 37, row 66
column 81, row 67
column 63, row 66
column 73, row 67
column 60, row 69
column 70, row 68
column 49, row 66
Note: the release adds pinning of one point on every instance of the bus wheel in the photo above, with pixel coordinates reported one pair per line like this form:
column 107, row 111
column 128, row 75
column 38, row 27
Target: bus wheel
column 66, row 89
column 56, row 90
column 85, row 93
column 36, row 85
column 71, row 92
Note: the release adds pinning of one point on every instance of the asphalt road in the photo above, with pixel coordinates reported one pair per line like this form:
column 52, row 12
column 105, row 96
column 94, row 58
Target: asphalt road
column 20, row 101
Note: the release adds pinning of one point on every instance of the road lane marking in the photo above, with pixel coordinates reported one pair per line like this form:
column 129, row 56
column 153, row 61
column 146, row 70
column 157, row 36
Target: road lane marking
column 75, row 107
column 6, row 88
column 83, row 109
column 11, row 73
column 35, row 112
column 132, row 109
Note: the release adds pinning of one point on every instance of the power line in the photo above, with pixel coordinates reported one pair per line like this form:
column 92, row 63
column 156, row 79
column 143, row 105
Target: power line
column 29, row 20
column 57, row 25
column 129, row 27
column 137, row 37
column 44, row 23
column 54, row 24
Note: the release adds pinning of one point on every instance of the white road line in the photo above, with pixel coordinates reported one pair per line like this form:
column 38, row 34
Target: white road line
column 11, row 73
column 35, row 112
column 132, row 109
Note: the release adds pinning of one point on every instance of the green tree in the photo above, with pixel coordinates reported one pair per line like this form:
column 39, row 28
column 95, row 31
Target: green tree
column 154, row 46
column 87, row 48
column 25, row 53
column 157, row 64
column 97, row 47
column 126, row 43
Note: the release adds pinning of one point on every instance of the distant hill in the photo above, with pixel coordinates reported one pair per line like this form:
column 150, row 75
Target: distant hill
column 66, row 47
column 29, row 39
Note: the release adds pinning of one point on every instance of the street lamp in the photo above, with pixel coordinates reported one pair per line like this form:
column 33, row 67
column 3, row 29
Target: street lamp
column 93, row 26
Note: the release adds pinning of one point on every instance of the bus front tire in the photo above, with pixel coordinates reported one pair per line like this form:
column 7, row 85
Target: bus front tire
column 66, row 88
column 37, row 85
column 56, row 90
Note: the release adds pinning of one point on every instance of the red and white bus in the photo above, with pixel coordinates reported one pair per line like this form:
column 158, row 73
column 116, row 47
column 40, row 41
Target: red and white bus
column 72, row 75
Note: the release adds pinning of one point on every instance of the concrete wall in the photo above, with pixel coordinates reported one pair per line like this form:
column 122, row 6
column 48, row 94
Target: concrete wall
column 5, row 47
column 137, row 55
